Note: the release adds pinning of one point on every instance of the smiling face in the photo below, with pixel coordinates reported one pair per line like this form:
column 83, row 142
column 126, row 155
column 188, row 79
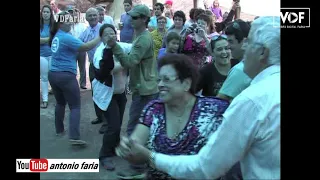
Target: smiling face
column 170, row 86
column 222, row 52
column 108, row 33
column 92, row 17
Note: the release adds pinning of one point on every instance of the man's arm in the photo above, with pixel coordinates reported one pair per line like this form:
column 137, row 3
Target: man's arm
column 235, row 83
column 138, row 51
column 225, row 147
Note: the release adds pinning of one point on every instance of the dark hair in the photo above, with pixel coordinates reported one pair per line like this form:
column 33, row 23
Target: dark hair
column 239, row 28
column 171, row 36
column 161, row 6
column 161, row 17
column 184, row 67
column 213, row 42
column 51, row 17
column 191, row 13
column 197, row 12
column 128, row 1
column 208, row 20
column 180, row 14
column 104, row 26
column 55, row 26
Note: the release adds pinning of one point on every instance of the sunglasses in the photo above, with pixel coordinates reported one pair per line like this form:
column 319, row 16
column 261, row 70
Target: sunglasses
column 135, row 17
column 218, row 37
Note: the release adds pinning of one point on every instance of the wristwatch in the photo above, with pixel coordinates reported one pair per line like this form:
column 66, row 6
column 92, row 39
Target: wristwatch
column 152, row 159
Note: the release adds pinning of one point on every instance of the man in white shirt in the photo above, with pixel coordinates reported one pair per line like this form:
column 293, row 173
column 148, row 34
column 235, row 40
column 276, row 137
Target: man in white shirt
column 250, row 131
column 103, row 18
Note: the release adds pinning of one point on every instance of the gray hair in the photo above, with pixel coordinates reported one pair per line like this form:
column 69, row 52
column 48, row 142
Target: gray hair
column 266, row 30
column 92, row 9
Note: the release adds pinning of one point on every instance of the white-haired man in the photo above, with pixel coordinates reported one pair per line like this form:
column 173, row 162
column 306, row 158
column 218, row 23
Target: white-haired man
column 250, row 132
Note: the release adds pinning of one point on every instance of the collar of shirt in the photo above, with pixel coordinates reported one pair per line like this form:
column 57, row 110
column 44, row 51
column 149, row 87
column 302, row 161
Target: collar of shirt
column 96, row 27
column 267, row 72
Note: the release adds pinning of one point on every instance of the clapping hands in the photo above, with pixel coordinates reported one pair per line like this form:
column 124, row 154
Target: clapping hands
column 132, row 151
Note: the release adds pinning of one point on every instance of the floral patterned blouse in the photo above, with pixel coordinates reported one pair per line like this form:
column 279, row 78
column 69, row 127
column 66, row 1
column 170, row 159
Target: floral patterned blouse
column 157, row 39
column 205, row 118
column 197, row 51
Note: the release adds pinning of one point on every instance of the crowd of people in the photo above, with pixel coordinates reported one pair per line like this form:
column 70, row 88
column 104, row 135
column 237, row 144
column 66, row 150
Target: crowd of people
column 205, row 90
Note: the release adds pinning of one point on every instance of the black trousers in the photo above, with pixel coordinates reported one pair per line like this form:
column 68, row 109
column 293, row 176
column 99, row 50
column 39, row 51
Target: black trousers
column 114, row 116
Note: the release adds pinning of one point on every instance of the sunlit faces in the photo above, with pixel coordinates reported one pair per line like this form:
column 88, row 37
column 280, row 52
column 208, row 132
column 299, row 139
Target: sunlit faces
column 221, row 52
column 170, row 86
column 108, row 33
column 92, row 17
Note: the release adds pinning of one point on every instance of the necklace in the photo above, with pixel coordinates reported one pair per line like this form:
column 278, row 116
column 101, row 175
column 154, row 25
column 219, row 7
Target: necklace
column 180, row 120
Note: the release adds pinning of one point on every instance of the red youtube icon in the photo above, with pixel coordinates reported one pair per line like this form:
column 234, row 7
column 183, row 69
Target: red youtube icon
column 38, row 165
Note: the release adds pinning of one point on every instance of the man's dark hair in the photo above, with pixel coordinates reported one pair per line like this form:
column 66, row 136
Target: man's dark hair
column 184, row 67
column 104, row 26
column 172, row 36
column 181, row 15
column 128, row 1
column 191, row 13
column 239, row 28
column 161, row 6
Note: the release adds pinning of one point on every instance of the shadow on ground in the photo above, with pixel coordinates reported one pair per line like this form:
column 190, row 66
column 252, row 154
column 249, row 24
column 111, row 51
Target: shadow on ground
column 53, row 147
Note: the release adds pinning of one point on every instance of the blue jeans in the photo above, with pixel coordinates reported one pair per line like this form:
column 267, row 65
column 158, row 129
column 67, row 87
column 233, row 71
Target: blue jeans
column 66, row 90
column 137, row 105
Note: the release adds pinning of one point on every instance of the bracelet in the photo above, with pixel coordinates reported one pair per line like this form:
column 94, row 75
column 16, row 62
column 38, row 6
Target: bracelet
column 152, row 158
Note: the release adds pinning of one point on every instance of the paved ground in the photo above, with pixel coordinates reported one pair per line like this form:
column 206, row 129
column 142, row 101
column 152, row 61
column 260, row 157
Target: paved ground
column 54, row 148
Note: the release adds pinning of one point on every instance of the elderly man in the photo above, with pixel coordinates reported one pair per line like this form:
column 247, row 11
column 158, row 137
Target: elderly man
column 250, row 132
column 103, row 18
column 92, row 16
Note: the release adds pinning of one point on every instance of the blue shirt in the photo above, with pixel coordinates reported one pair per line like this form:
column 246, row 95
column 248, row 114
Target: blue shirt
column 45, row 50
column 162, row 52
column 64, row 49
column 126, row 33
column 86, row 37
column 153, row 22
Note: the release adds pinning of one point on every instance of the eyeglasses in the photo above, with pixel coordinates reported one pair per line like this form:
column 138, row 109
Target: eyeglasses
column 167, row 80
column 162, row 22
